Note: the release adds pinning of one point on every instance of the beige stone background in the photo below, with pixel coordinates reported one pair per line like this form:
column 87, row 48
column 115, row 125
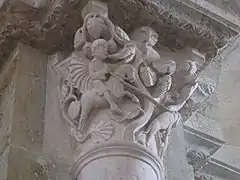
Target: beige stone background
column 219, row 117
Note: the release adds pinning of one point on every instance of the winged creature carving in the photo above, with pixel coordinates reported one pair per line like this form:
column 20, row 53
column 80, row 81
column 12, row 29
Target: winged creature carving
column 101, row 50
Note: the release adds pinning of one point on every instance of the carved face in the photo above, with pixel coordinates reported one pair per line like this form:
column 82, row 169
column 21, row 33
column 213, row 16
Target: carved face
column 95, row 26
column 145, row 35
column 100, row 49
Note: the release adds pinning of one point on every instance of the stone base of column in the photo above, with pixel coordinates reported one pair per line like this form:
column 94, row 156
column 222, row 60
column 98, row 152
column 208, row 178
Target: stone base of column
column 118, row 161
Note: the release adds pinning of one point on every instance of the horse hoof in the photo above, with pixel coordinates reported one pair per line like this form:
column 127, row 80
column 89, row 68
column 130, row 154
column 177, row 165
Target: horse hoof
column 135, row 100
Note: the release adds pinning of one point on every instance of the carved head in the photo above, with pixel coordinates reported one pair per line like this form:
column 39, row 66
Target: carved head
column 188, row 68
column 95, row 7
column 145, row 35
column 100, row 49
column 95, row 25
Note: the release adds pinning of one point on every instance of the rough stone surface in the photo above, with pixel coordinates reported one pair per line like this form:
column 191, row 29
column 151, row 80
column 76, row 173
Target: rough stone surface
column 219, row 116
column 205, row 125
column 176, row 163
column 23, row 112
column 224, row 108
column 52, row 28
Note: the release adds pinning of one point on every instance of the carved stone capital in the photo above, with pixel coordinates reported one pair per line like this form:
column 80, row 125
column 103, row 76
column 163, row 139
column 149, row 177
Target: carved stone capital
column 116, row 99
column 52, row 27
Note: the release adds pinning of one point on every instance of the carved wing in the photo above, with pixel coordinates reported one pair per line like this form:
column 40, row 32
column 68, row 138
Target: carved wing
column 79, row 73
column 147, row 75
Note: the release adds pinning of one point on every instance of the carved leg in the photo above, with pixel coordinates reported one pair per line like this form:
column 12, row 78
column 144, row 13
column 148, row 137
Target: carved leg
column 165, row 144
column 153, row 129
column 131, row 96
column 87, row 104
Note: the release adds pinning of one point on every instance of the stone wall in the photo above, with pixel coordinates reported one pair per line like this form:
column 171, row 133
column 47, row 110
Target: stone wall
column 218, row 118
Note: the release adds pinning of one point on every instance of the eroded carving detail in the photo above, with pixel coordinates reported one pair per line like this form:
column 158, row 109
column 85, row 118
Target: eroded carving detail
column 118, row 88
column 196, row 158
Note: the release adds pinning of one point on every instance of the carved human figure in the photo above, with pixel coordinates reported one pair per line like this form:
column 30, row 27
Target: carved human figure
column 185, row 83
column 145, row 38
column 99, row 71
column 115, row 92
column 91, row 70
column 95, row 26
column 164, row 71
column 163, row 122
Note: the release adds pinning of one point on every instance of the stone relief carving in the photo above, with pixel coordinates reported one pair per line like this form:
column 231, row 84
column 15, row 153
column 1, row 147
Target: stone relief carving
column 94, row 74
column 116, row 87
column 176, row 94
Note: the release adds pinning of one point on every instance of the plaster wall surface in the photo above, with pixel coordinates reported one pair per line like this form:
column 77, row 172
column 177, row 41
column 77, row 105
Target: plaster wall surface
column 175, row 162
column 219, row 117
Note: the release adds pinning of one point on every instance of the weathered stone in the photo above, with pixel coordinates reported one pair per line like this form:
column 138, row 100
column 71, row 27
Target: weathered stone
column 28, row 116
column 51, row 28
column 176, row 162
column 35, row 131
column 23, row 112
column 23, row 165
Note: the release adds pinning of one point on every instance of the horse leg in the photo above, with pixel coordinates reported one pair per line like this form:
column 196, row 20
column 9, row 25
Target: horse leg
column 87, row 104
